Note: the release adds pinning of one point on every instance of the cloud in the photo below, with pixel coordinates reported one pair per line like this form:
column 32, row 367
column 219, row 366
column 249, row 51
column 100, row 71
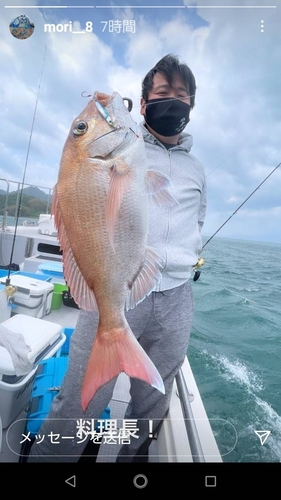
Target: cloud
column 236, row 122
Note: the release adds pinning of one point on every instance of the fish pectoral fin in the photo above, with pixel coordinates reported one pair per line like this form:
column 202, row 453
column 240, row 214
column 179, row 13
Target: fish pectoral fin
column 81, row 293
column 157, row 185
column 119, row 183
column 146, row 279
column 113, row 352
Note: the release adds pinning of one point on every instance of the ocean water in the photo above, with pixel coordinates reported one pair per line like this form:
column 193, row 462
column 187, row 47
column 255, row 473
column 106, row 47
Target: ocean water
column 235, row 346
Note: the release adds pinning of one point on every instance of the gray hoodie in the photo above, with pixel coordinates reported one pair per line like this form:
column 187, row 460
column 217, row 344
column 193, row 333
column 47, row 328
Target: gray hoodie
column 175, row 232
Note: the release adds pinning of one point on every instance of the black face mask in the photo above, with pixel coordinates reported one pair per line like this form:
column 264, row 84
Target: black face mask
column 167, row 116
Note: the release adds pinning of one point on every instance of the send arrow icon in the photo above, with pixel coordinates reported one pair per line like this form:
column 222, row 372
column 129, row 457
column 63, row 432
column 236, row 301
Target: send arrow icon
column 263, row 435
column 71, row 481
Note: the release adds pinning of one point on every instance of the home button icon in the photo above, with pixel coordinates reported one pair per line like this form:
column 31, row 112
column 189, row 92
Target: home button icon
column 140, row 481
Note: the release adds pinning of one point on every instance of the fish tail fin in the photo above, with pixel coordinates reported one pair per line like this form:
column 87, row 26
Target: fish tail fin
column 113, row 352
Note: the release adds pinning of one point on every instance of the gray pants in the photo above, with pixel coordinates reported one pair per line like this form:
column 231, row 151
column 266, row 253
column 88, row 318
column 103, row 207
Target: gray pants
column 162, row 324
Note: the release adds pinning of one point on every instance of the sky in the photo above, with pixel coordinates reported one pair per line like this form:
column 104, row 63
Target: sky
column 234, row 53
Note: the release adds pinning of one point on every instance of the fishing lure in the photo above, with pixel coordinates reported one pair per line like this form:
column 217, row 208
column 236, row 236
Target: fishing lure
column 103, row 112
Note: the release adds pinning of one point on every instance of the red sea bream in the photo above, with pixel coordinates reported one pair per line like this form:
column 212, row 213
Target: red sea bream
column 101, row 210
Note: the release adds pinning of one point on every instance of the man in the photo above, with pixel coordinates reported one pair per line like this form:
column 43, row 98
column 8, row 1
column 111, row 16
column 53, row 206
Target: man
column 162, row 321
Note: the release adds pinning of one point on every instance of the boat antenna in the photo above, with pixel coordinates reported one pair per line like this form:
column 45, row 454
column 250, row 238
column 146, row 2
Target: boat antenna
column 201, row 260
column 24, row 172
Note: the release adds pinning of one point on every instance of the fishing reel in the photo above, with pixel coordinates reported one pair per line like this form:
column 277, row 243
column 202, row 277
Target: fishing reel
column 197, row 273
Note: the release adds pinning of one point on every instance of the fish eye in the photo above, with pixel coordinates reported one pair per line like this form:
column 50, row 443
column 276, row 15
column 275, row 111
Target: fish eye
column 80, row 128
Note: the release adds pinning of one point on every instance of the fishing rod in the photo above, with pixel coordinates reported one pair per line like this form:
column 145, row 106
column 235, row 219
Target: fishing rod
column 201, row 260
column 24, row 173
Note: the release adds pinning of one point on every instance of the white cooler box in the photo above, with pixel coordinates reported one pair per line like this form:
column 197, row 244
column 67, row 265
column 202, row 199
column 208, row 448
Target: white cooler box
column 45, row 340
column 33, row 297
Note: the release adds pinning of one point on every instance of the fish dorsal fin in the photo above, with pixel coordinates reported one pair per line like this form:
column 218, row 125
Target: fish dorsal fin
column 81, row 293
column 146, row 279
column 157, row 185
column 121, row 176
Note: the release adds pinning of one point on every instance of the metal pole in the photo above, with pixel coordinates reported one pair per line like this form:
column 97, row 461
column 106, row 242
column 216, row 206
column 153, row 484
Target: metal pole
column 194, row 440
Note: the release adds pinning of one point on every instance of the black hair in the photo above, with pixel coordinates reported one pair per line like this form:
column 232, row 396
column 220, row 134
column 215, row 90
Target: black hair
column 169, row 66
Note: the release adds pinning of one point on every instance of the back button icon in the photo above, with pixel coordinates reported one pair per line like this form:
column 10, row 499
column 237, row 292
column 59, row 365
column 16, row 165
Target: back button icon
column 71, row 481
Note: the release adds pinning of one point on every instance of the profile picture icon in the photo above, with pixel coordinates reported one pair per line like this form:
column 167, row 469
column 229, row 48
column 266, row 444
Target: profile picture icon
column 21, row 27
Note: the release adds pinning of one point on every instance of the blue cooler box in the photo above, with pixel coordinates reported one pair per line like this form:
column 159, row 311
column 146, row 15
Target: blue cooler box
column 46, row 386
column 53, row 269
column 65, row 348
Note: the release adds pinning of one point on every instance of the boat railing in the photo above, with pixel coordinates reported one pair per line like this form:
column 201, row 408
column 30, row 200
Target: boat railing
column 18, row 189
column 191, row 429
column 4, row 220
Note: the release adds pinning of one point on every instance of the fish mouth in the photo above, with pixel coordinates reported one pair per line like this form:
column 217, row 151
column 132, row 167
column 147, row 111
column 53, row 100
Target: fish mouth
column 103, row 98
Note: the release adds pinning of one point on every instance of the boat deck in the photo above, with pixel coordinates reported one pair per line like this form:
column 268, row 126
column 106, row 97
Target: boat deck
column 178, row 433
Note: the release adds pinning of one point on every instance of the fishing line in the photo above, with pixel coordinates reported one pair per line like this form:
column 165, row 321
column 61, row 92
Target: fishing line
column 248, row 80
column 24, row 173
column 221, row 163
column 238, row 208
column 167, row 99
